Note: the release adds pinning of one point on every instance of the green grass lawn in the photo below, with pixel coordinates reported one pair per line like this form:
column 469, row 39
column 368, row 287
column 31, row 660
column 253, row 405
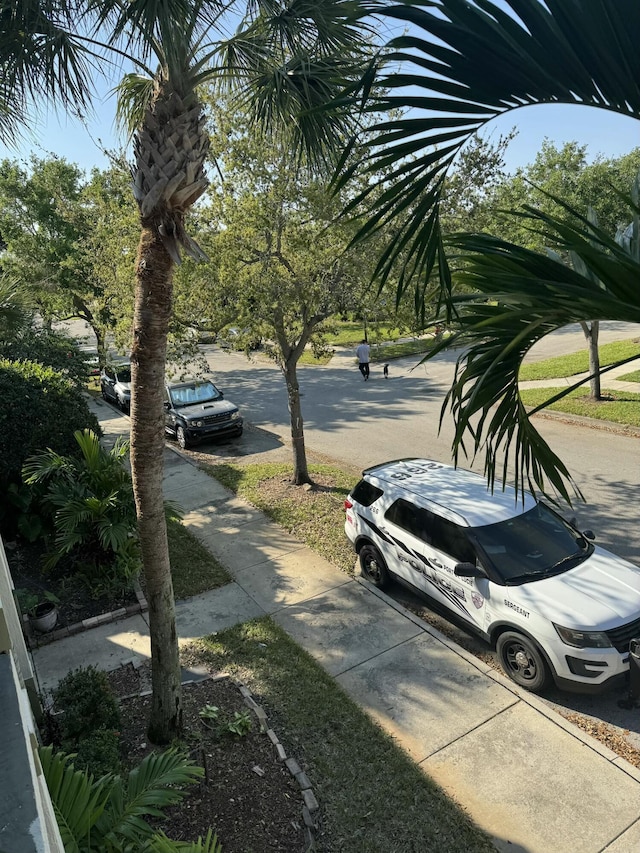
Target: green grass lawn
column 315, row 517
column 400, row 350
column 630, row 377
column 194, row 569
column 577, row 362
column 350, row 333
column 308, row 357
column 621, row 407
column 372, row 796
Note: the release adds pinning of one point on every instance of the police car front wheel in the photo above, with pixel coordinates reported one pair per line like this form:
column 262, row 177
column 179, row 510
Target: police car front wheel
column 373, row 566
column 523, row 662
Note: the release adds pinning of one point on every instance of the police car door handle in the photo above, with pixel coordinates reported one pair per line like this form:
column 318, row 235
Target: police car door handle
column 436, row 563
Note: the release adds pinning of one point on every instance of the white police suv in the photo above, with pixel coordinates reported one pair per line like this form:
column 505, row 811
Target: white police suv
column 555, row 605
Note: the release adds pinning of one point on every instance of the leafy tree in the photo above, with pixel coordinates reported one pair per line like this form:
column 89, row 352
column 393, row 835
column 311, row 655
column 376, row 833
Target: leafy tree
column 104, row 256
column 40, row 220
column 596, row 189
column 70, row 242
column 462, row 64
column 281, row 258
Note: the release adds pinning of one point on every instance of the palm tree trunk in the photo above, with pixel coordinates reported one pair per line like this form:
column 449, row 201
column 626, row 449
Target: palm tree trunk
column 300, row 468
column 154, row 270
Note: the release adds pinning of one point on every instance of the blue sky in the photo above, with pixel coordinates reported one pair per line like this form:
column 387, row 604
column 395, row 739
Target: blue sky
column 602, row 131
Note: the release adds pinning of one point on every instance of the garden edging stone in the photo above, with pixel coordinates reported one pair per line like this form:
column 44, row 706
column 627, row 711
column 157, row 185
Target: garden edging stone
column 36, row 640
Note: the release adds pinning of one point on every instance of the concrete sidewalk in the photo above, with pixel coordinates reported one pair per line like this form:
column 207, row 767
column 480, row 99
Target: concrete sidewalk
column 531, row 779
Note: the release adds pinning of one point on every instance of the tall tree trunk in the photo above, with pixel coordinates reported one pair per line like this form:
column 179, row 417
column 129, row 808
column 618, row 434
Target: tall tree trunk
column 300, row 469
column 154, row 269
column 591, row 332
column 101, row 345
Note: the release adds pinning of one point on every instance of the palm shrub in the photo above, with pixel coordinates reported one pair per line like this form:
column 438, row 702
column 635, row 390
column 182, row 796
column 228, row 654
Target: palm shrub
column 107, row 815
column 89, row 499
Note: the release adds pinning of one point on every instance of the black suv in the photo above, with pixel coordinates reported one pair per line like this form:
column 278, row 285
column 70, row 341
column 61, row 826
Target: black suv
column 195, row 410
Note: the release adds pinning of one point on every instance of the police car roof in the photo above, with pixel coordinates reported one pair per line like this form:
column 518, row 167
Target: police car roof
column 461, row 495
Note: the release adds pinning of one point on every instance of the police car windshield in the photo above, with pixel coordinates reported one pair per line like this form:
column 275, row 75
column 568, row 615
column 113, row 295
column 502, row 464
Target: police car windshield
column 193, row 393
column 536, row 544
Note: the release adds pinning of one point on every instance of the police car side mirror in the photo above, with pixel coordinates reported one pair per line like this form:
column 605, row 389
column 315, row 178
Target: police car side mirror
column 468, row 570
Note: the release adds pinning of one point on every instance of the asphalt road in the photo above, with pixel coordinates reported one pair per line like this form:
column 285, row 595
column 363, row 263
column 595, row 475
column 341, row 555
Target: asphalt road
column 364, row 423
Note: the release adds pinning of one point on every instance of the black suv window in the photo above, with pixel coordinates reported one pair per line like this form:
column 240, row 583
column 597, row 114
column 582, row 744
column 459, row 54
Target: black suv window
column 410, row 518
column 436, row 531
column 450, row 538
column 366, row 493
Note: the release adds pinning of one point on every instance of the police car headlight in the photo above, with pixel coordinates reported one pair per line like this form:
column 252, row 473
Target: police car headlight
column 583, row 639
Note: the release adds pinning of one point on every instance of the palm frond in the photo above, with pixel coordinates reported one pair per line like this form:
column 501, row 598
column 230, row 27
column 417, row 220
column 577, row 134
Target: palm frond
column 461, row 65
column 78, row 800
column 150, row 787
column 519, row 297
column 134, row 93
column 161, row 844
column 296, row 64
column 42, row 56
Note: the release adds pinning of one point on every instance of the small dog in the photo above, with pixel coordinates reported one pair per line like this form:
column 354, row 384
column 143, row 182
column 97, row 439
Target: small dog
column 385, row 371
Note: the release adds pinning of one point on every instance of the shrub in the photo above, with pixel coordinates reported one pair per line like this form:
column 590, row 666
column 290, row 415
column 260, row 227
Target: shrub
column 40, row 409
column 89, row 502
column 88, row 703
column 98, row 753
column 50, row 349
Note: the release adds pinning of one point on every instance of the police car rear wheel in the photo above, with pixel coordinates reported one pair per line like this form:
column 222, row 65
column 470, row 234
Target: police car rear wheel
column 523, row 662
column 373, row 566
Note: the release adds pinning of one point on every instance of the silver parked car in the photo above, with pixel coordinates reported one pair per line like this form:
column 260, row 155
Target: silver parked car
column 115, row 385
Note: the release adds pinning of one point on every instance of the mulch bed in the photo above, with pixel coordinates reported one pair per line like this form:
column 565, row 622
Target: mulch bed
column 76, row 604
column 248, row 797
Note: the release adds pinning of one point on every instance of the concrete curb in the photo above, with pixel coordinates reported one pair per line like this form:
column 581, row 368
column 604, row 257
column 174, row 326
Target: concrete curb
column 591, row 423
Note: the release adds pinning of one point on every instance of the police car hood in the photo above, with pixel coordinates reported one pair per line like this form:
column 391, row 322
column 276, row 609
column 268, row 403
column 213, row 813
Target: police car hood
column 197, row 411
column 602, row 592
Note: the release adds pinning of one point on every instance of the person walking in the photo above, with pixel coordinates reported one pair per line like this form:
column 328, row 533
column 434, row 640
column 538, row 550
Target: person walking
column 363, row 352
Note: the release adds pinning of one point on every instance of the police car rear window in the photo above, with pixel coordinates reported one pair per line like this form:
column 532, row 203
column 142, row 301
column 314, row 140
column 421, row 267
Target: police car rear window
column 366, row 493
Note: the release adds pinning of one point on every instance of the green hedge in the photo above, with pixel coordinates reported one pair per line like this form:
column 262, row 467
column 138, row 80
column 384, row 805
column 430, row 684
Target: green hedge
column 39, row 409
